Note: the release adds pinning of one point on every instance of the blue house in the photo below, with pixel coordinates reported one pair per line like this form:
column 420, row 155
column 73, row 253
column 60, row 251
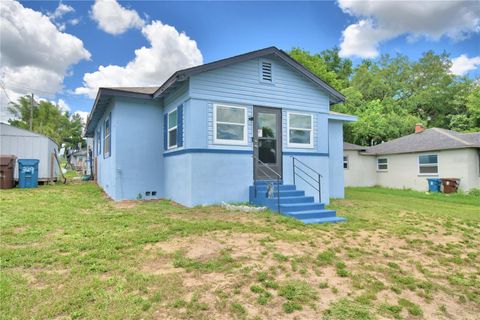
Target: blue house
column 233, row 130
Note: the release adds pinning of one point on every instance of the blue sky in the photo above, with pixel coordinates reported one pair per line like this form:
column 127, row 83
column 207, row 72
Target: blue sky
column 215, row 30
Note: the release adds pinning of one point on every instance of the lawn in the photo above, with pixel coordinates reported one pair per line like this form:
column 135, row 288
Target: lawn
column 69, row 252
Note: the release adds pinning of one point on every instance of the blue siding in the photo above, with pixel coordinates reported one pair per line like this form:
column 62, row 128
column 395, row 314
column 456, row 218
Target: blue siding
column 240, row 83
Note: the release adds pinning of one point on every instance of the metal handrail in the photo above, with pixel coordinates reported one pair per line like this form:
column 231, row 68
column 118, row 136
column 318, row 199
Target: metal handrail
column 318, row 181
column 298, row 160
column 266, row 174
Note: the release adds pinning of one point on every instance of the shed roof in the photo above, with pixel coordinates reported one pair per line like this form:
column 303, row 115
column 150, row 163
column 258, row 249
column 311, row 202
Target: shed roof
column 9, row 130
column 104, row 94
column 428, row 140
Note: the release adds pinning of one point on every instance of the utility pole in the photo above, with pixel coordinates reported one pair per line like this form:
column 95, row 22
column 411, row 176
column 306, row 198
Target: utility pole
column 31, row 112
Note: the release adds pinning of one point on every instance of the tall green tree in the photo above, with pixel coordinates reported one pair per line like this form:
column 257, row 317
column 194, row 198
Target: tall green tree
column 48, row 120
column 317, row 63
column 390, row 94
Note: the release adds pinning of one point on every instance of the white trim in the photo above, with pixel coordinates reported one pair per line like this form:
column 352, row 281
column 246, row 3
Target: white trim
column 300, row 145
column 433, row 174
column 382, row 170
column 245, row 125
column 171, row 129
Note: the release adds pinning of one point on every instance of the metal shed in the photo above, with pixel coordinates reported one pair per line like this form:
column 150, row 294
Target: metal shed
column 26, row 144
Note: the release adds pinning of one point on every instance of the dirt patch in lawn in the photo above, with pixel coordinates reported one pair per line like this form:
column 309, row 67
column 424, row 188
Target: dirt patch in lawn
column 126, row 204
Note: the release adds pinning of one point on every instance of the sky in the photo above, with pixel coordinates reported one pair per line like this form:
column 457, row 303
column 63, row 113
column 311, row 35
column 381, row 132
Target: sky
column 63, row 51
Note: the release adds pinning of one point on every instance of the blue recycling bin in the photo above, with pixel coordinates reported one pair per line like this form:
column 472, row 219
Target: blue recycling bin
column 28, row 173
column 434, row 184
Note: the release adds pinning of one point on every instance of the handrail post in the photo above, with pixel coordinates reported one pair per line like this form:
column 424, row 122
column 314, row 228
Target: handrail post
column 319, row 189
column 293, row 170
column 254, row 180
column 278, row 194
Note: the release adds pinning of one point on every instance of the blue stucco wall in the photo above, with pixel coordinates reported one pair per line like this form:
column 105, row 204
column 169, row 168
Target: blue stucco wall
column 335, row 141
column 106, row 173
column 139, row 148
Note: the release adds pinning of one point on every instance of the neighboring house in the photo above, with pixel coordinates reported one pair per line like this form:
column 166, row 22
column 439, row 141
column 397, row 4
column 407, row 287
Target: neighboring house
column 79, row 160
column 408, row 161
column 25, row 144
column 192, row 139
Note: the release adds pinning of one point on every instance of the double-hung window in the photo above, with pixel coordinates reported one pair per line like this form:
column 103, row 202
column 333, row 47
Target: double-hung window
column 107, row 138
column 98, row 137
column 172, row 128
column 345, row 162
column 300, row 130
column 229, row 124
column 382, row 164
column 428, row 164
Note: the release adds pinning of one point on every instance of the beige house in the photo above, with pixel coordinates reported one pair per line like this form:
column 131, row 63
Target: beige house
column 408, row 161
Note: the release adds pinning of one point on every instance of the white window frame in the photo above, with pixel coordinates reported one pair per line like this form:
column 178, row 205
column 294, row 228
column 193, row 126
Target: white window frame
column 378, row 164
column 346, row 160
column 106, row 154
column 242, row 142
column 98, row 146
column 427, row 165
column 300, row 145
column 171, row 129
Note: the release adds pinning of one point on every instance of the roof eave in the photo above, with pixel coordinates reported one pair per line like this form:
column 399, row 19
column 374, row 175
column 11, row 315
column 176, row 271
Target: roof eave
column 182, row 75
column 109, row 92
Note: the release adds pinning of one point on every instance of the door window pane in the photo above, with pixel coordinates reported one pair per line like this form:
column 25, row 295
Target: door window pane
column 267, row 151
column 267, row 122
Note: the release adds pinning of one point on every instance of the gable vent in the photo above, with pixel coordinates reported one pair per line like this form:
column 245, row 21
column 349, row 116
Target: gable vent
column 266, row 71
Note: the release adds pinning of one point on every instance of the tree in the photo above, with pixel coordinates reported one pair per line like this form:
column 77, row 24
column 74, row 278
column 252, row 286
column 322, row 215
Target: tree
column 390, row 94
column 317, row 65
column 48, row 120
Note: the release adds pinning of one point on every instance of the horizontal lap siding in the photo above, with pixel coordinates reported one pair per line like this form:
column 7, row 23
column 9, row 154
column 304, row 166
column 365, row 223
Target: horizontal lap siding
column 240, row 83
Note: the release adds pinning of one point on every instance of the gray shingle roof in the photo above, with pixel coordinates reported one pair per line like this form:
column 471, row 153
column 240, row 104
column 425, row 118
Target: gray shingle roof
column 145, row 90
column 428, row 140
column 351, row 146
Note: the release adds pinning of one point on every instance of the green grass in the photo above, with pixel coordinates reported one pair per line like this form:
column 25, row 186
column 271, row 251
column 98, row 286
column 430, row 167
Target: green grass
column 67, row 251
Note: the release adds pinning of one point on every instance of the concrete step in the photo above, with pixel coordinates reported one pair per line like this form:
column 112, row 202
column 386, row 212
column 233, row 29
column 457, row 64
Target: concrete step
column 265, row 182
column 283, row 187
column 323, row 220
column 295, row 207
column 312, row 214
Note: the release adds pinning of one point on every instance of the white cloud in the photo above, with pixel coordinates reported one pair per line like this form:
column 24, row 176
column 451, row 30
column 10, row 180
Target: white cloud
column 63, row 106
column 384, row 20
column 57, row 16
column 36, row 56
column 83, row 115
column 112, row 18
column 463, row 64
column 60, row 11
column 169, row 51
